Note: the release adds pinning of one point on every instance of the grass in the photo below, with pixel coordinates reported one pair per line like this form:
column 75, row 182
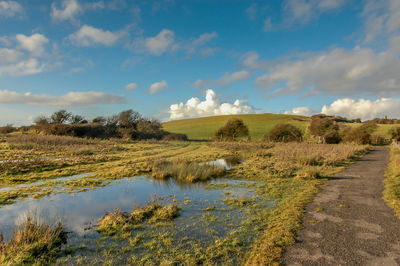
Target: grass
column 391, row 194
column 287, row 174
column 186, row 171
column 259, row 124
column 33, row 243
column 123, row 223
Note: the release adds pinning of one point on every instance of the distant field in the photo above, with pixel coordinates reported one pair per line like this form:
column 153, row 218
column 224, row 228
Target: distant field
column 259, row 124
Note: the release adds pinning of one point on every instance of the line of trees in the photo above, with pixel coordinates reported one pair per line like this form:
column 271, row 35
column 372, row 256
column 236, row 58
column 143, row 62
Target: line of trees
column 127, row 124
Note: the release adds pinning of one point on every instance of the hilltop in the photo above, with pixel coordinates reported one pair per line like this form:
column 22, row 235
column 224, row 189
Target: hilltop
column 259, row 124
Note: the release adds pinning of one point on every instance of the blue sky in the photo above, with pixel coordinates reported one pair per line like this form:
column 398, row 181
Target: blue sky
column 173, row 59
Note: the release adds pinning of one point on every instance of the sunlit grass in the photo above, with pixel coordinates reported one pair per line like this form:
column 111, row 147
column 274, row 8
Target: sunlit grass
column 33, row 242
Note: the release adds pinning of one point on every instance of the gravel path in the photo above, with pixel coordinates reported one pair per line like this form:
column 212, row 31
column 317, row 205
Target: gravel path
column 348, row 223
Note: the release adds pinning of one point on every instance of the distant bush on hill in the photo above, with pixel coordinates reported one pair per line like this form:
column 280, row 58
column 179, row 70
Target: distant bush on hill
column 126, row 125
column 233, row 129
column 285, row 133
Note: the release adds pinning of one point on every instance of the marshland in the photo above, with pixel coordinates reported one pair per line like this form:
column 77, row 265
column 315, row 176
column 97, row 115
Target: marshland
column 70, row 200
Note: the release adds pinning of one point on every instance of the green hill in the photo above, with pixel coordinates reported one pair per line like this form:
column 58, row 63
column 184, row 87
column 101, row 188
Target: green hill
column 259, row 124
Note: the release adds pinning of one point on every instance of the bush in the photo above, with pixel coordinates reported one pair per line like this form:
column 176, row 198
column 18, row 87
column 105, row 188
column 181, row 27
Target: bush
column 360, row 135
column 175, row 136
column 233, row 129
column 7, row 129
column 395, row 132
column 285, row 133
column 378, row 140
column 320, row 126
column 332, row 136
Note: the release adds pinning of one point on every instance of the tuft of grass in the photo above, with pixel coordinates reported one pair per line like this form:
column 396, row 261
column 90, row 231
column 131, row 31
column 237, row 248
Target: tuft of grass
column 308, row 173
column 33, row 243
column 123, row 223
column 391, row 194
column 186, row 171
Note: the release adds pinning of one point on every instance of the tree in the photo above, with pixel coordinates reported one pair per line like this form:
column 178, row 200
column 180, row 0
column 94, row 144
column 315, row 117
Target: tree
column 77, row 119
column 41, row 120
column 60, row 117
column 233, row 129
column 99, row 120
column 285, row 133
column 128, row 119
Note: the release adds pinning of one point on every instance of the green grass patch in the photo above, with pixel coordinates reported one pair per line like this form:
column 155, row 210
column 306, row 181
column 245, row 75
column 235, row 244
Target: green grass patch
column 391, row 194
column 259, row 124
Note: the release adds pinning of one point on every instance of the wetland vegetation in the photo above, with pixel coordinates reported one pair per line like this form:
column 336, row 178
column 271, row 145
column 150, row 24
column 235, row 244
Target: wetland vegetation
column 244, row 212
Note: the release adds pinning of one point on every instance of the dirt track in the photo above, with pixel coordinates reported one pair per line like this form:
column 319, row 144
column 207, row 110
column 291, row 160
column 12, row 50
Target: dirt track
column 348, row 223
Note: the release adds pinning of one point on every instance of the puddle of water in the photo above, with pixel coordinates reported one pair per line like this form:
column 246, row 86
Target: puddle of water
column 225, row 163
column 82, row 209
column 6, row 189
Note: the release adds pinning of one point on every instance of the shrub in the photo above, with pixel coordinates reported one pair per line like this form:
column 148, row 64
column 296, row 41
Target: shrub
column 233, row 129
column 332, row 136
column 395, row 132
column 360, row 135
column 285, row 133
column 175, row 136
column 320, row 126
column 7, row 129
column 378, row 140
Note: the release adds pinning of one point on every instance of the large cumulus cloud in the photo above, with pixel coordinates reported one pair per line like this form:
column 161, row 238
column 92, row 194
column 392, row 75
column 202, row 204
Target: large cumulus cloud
column 212, row 105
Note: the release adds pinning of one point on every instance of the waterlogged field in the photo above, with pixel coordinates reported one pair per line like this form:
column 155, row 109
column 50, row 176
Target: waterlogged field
column 156, row 202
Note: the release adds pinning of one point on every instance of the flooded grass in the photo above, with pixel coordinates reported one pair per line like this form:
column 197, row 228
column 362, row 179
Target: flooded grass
column 124, row 223
column 248, row 215
column 186, row 171
column 33, row 242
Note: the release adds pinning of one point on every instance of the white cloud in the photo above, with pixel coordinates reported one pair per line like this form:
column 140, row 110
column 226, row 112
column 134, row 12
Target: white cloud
column 301, row 12
column 251, row 11
column 204, row 38
column 212, row 105
column 364, row 109
column 131, row 86
column 224, row 81
column 9, row 55
column 360, row 71
column 304, row 111
column 10, row 9
column 66, row 100
column 89, row 36
column 157, row 87
column 381, row 18
column 25, row 67
column 160, row 43
column 165, row 42
column 68, row 11
column 34, row 43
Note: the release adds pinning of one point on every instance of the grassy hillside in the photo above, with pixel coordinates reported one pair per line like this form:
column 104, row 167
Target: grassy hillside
column 259, row 124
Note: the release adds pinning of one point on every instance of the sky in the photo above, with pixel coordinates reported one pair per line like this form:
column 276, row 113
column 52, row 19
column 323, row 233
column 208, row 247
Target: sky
column 171, row 59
